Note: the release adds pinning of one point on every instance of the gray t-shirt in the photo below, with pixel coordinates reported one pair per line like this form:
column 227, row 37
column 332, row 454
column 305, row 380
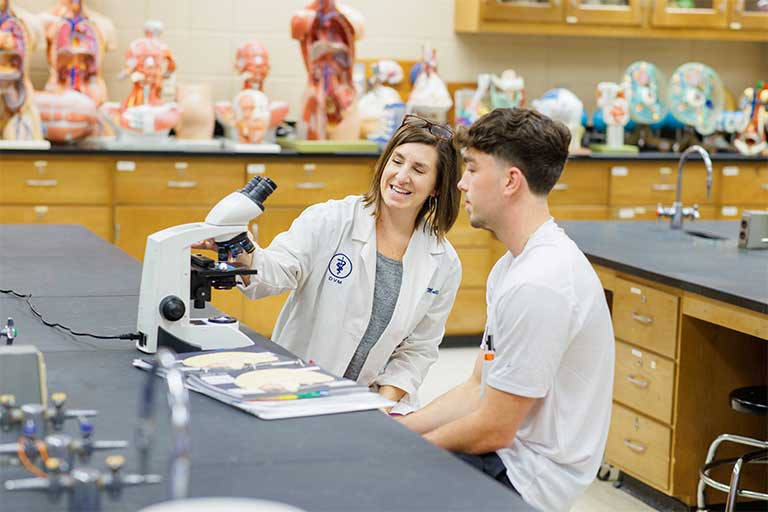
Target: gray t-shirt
column 389, row 277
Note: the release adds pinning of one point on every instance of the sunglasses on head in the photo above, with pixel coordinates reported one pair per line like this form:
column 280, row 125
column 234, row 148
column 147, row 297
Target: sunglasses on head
column 440, row 131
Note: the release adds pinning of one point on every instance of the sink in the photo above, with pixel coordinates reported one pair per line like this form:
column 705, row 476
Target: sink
column 704, row 234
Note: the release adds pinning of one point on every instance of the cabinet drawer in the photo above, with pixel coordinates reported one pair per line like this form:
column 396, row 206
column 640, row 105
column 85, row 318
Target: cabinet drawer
column 305, row 182
column 639, row 445
column 579, row 212
column 55, row 181
column 476, row 264
column 648, row 212
column 133, row 224
column 644, row 381
column 645, row 317
column 468, row 313
column 581, row 183
column 176, row 182
column 96, row 218
column 652, row 183
column 462, row 232
column 274, row 221
column 741, row 184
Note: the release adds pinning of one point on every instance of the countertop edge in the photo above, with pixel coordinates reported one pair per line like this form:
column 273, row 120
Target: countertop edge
column 712, row 293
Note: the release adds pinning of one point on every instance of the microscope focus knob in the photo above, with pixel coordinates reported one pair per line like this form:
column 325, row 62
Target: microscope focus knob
column 172, row 308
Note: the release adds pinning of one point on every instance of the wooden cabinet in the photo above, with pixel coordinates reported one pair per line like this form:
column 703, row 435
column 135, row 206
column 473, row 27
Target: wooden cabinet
column 645, row 316
column 610, row 12
column 96, row 218
column 728, row 20
column 304, row 182
column 54, row 181
column 126, row 198
column 748, row 15
column 524, row 10
column 690, row 13
column 656, row 182
column 640, row 446
column 678, row 356
column 744, row 184
column 171, row 181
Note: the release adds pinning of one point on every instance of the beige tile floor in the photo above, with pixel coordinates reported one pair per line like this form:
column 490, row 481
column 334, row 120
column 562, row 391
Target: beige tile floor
column 455, row 365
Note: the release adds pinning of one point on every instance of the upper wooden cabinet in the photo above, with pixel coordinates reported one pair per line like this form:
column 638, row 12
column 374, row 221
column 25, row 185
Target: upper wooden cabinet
column 525, row 10
column 746, row 15
column 733, row 20
column 690, row 13
column 604, row 12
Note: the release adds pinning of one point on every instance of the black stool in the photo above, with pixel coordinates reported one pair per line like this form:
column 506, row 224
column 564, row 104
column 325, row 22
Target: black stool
column 751, row 400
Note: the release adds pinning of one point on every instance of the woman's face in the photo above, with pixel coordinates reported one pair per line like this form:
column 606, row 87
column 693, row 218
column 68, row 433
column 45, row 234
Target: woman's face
column 409, row 177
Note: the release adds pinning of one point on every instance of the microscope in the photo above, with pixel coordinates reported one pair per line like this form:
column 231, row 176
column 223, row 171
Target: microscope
column 172, row 276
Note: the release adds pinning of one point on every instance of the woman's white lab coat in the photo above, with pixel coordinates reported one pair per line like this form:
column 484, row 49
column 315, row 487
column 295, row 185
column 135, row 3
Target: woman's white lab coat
column 328, row 259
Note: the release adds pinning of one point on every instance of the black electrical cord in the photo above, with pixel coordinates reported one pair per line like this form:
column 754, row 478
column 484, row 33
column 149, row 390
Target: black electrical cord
column 28, row 300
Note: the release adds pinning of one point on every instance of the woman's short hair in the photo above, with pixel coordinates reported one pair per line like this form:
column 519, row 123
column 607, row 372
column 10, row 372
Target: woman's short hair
column 441, row 212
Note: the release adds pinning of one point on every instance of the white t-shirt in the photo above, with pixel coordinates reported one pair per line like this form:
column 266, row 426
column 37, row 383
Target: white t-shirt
column 554, row 341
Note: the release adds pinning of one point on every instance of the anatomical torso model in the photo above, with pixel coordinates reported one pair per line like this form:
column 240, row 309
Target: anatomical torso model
column 327, row 32
column 19, row 118
column 77, row 39
column 148, row 62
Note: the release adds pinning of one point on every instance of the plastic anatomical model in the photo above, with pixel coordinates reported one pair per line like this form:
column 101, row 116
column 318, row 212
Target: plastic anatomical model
column 77, row 39
column 327, row 32
column 248, row 113
column 148, row 62
column 753, row 139
column 429, row 96
column 244, row 113
column 563, row 105
column 380, row 97
column 19, row 118
column 612, row 98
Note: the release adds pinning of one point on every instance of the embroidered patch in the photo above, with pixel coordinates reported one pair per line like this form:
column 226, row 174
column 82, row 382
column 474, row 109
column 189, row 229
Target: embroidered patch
column 340, row 266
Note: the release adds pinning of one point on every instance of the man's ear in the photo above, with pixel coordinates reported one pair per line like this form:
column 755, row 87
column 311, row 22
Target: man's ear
column 514, row 180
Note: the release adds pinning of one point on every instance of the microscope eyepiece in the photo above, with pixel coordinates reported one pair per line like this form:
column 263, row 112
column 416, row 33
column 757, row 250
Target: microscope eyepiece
column 259, row 189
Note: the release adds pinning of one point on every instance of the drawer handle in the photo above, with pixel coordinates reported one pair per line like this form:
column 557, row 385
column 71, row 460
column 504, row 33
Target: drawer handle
column 181, row 166
column 560, row 186
column 647, row 320
column 40, row 164
column 635, row 447
column 642, row 384
column 310, row 185
column 42, row 183
column 663, row 187
column 182, row 184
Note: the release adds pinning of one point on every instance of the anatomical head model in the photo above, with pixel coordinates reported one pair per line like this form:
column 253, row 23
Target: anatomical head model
column 250, row 114
column 327, row 31
column 252, row 62
column 19, row 119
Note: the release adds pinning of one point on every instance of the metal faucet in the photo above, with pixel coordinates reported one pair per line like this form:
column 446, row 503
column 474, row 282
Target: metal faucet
column 677, row 213
column 178, row 402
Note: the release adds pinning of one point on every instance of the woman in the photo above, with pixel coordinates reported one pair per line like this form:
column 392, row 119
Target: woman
column 372, row 277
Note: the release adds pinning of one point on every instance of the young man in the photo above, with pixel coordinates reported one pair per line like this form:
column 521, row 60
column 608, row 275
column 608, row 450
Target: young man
column 536, row 416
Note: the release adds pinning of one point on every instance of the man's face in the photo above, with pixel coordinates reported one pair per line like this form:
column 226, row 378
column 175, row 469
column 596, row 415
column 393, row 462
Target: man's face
column 482, row 184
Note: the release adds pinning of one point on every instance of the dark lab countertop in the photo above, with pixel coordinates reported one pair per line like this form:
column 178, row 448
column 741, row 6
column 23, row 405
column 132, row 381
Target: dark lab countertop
column 713, row 268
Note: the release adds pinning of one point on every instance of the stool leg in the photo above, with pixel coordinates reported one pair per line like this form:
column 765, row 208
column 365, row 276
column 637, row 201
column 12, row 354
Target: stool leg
column 701, row 497
column 733, row 493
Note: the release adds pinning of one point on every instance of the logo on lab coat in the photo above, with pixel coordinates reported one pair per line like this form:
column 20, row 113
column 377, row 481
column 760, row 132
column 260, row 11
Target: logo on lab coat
column 340, row 266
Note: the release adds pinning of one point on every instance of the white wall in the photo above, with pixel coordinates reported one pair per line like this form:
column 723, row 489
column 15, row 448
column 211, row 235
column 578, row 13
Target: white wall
column 204, row 35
